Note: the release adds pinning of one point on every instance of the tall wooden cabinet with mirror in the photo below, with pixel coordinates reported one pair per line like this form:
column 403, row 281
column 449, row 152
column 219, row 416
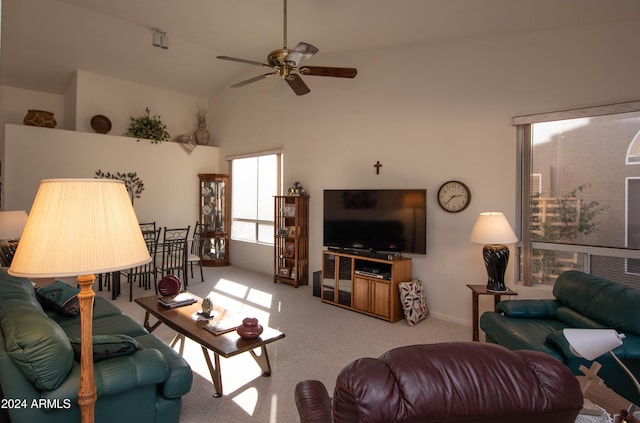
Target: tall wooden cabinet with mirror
column 291, row 239
column 214, row 215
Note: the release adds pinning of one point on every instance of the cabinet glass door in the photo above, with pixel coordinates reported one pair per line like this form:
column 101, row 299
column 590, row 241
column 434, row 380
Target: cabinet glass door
column 213, row 215
column 345, row 284
column 329, row 277
column 213, row 205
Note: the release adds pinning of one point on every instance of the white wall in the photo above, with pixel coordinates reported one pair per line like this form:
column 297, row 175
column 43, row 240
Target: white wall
column 14, row 103
column 170, row 175
column 118, row 100
column 429, row 113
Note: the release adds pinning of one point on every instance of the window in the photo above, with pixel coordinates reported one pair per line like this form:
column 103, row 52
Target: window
column 255, row 180
column 580, row 194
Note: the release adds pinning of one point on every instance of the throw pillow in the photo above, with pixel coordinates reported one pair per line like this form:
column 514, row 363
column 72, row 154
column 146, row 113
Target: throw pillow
column 107, row 346
column 37, row 345
column 60, row 297
column 413, row 301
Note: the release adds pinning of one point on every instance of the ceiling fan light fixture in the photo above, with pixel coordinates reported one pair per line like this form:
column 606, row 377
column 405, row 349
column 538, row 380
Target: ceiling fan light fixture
column 287, row 62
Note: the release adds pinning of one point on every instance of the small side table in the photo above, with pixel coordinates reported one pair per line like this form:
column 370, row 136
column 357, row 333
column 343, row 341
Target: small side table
column 476, row 291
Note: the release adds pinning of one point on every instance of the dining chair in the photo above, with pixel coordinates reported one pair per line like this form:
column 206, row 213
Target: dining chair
column 171, row 257
column 197, row 248
column 147, row 271
column 150, row 226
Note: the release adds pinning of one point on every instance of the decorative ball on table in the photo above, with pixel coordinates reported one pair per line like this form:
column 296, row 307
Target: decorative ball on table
column 250, row 329
column 169, row 285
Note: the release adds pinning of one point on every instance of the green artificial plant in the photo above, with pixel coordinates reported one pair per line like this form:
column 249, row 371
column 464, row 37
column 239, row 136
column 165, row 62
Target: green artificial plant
column 148, row 127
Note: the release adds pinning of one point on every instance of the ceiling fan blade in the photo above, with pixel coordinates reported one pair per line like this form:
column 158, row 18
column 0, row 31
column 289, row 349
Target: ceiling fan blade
column 329, row 71
column 297, row 84
column 249, row 62
column 254, row 79
column 301, row 53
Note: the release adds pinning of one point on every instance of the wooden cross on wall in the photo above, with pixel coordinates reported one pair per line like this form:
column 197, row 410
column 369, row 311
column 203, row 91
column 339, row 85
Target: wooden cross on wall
column 378, row 165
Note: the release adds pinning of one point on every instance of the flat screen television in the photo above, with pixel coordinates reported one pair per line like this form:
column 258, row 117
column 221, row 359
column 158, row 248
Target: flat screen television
column 376, row 220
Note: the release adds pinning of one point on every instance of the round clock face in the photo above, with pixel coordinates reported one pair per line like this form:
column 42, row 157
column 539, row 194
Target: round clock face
column 454, row 196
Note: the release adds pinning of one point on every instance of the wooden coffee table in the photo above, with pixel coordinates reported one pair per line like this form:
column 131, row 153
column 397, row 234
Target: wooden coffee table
column 226, row 345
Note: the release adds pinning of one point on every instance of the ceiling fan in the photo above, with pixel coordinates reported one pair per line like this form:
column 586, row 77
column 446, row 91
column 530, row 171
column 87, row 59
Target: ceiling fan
column 288, row 64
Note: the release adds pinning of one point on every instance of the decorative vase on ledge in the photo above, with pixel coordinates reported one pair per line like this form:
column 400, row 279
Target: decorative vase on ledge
column 40, row 118
column 201, row 134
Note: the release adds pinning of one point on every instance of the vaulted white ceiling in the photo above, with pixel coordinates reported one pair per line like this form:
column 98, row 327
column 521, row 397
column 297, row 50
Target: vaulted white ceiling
column 45, row 41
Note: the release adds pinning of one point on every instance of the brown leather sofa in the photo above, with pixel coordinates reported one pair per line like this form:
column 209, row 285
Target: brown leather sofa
column 447, row 382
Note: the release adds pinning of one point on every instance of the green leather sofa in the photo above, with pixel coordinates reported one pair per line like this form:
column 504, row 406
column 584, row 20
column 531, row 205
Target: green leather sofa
column 40, row 377
column 581, row 301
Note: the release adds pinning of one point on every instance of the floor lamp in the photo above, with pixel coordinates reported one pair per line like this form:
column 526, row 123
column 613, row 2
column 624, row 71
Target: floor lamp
column 79, row 227
column 592, row 343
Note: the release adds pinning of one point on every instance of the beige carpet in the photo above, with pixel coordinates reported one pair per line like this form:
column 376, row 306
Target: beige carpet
column 320, row 340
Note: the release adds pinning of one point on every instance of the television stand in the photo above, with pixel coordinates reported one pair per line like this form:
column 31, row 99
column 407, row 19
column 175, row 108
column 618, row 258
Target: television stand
column 365, row 284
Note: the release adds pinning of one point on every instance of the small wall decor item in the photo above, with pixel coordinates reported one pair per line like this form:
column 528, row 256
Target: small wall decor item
column 41, row 118
column 378, row 165
column 250, row 328
column 454, row 196
column 132, row 182
column 148, row 127
column 202, row 133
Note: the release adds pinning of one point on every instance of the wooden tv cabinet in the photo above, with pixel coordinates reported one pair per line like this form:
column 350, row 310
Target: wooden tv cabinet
column 365, row 284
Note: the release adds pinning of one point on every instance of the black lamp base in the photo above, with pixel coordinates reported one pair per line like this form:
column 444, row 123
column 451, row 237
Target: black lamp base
column 496, row 257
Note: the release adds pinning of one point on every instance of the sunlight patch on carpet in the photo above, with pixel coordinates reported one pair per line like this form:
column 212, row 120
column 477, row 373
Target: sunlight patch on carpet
column 231, row 288
column 247, row 400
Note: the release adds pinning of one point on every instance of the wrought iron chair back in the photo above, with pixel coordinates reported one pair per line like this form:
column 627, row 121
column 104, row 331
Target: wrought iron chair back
column 147, row 271
column 173, row 253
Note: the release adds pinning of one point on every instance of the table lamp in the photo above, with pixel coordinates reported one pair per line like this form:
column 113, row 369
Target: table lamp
column 592, row 343
column 11, row 225
column 493, row 230
column 79, row 227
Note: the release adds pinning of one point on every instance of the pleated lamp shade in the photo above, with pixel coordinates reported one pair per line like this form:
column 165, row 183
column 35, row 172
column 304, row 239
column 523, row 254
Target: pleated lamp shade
column 492, row 228
column 79, row 227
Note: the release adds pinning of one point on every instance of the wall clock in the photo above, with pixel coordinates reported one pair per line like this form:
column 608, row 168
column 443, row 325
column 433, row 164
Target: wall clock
column 454, row 196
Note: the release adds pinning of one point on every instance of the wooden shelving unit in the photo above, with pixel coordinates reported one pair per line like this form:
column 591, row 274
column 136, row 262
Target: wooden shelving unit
column 291, row 240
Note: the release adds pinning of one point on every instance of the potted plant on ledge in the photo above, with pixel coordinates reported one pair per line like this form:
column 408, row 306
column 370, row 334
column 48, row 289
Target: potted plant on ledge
column 148, row 127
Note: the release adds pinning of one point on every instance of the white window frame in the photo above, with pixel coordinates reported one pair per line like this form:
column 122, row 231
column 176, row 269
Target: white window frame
column 280, row 157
